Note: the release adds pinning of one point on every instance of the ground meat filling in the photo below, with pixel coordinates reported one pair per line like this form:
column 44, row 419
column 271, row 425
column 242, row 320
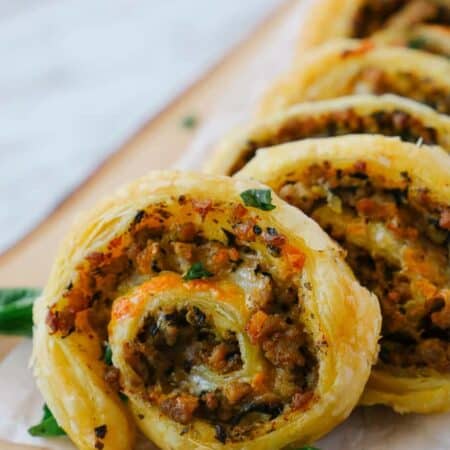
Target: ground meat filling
column 170, row 344
column 373, row 15
column 339, row 123
column 372, row 80
column 398, row 244
column 173, row 346
column 177, row 345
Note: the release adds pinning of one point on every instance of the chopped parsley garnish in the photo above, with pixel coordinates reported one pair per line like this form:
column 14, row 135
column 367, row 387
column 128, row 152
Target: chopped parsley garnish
column 196, row 271
column 308, row 447
column 258, row 198
column 189, row 121
column 16, row 310
column 107, row 356
column 417, row 42
column 47, row 427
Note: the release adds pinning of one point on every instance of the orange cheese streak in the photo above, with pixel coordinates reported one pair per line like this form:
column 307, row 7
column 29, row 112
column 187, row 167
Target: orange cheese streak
column 294, row 256
column 365, row 46
column 131, row 305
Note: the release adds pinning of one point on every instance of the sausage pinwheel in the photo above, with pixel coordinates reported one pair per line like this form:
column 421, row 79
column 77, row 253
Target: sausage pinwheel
column 206, row 312
column 388, row 204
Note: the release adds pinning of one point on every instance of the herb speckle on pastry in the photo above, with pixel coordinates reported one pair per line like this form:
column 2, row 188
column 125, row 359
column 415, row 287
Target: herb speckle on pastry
column 196, row 299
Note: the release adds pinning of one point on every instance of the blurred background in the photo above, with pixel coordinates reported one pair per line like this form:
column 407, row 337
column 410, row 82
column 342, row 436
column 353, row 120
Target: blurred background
column 78, row 77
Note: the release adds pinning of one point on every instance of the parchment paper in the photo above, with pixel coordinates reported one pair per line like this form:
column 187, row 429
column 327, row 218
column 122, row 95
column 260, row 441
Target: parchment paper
column 366, row 429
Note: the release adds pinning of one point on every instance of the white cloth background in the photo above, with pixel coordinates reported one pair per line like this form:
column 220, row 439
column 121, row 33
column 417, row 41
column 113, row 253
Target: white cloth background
column 78, row 77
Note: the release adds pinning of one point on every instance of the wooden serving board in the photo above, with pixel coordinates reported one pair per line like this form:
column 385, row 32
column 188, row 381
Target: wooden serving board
column 158, row 145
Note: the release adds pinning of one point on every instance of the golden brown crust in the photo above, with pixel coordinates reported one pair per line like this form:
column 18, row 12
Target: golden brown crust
column 387, row 114
column 69, row 367
column 388, row 160
column 328, row 19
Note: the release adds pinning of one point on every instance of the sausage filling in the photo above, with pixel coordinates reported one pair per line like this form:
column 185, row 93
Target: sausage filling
column 176, row 347
column 338, row 123
column 177, row 344
column 397, row 243
column 375, row 15
column 372, row 80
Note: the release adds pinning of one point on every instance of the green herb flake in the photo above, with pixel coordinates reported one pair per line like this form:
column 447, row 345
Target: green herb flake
column 47, row 427
column 417, row 43
column 16, row 310
column 308, row 447
column 189, row 122
column 196, row 271
column 258, row 198
column 107, row 355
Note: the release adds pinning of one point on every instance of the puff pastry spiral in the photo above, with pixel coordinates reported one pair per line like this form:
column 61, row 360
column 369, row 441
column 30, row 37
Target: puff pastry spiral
column 387, row 114
column 423, row 24
column 226, row 317
column 388, row 204
column 347, row 67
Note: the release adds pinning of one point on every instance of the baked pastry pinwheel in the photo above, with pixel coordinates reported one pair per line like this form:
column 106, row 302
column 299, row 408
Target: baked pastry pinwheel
column 387, row 114
column 421, row 24
column 388, row 204
column 226, row 317
column 346, row 67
